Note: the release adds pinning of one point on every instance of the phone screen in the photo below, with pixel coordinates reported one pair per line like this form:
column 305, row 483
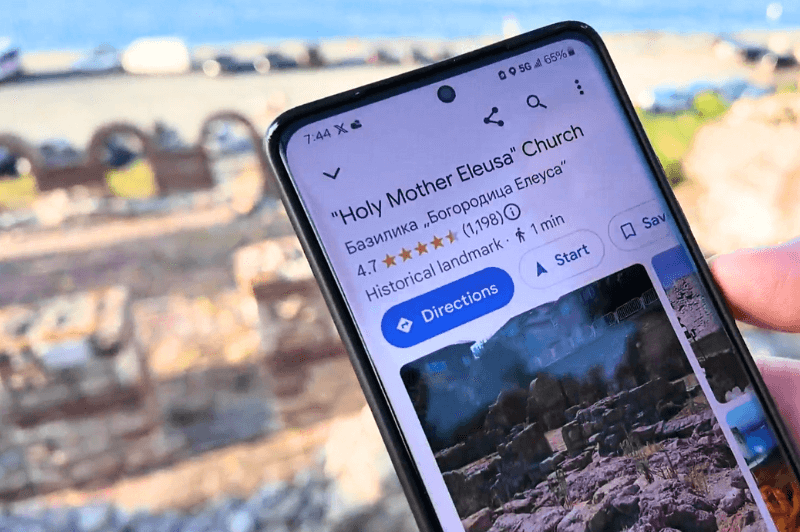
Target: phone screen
column 530, row 308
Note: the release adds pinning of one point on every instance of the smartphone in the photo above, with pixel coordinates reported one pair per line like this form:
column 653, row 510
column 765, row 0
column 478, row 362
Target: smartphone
column 530, row 317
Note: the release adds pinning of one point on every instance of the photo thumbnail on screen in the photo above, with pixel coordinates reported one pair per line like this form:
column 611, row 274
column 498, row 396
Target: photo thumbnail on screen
column 709, row 341
column 759, row 446
column 582, row 413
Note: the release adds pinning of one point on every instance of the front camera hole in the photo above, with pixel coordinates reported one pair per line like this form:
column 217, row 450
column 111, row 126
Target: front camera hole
column 446, row 93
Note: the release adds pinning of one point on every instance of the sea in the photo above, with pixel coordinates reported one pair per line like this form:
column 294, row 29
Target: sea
column 66, row 24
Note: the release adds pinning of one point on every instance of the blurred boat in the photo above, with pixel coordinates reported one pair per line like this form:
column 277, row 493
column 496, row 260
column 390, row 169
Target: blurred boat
column 103, row 59
column 10, row 65
column 162, row 55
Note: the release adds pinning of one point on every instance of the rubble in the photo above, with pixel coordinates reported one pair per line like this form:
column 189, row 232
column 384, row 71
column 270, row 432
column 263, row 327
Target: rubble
column 625, row 466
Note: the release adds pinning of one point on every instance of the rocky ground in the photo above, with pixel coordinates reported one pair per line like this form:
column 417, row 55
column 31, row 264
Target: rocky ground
column 630, row 473
column 307, row 503
column 702, row 492
column 343, row 482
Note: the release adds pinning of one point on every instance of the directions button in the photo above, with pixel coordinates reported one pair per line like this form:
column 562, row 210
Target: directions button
column 561, row 259
column 447, row 307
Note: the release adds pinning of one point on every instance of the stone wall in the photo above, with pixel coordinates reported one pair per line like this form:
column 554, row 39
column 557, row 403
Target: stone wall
column 690, row 303
column 97, row 385
column 495, row 463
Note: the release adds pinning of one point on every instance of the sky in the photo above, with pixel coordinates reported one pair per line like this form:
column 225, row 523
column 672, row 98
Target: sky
column 672, row 265
column 66, row 24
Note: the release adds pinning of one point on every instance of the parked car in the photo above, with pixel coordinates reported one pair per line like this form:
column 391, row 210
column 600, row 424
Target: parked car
column 118, row 153
column 772, row 59
column 229, row 64
column 669, row 99
column 10, row 64
column 163, row 55
column 8, row 163
column 59, row 152
column 12, row 165
column 226, row 139
column 167, row 137
column 381, row 56
column 103, row 59
column 278, row 61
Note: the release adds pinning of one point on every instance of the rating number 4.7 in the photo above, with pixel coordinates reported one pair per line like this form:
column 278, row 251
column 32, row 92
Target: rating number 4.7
column 369, row 270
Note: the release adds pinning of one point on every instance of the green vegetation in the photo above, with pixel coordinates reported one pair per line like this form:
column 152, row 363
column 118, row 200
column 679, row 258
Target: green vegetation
column 557, row 482
column 672, row 134
column 17, row 192
column 787, row 86
column 697, row 479
column 666, row 471
column 136, row 180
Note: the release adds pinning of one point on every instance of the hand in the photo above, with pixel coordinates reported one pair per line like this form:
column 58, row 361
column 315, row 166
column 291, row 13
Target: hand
column 762, row 287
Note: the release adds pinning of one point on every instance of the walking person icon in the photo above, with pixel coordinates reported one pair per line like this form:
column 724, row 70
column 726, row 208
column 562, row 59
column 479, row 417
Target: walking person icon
column 521, row 235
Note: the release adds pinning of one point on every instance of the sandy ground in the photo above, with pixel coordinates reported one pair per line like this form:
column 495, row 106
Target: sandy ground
column 74, row 108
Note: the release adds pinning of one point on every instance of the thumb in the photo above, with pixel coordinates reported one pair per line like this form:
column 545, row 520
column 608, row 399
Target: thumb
column 762, row 286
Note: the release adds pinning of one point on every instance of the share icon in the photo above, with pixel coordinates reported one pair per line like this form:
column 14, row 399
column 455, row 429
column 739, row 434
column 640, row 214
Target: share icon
column 488, row 119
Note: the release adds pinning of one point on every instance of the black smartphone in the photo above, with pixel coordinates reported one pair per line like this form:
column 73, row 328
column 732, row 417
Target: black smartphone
column 532, row 322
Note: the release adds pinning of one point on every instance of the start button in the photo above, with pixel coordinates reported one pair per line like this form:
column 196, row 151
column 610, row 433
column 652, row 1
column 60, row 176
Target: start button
column 561, row 259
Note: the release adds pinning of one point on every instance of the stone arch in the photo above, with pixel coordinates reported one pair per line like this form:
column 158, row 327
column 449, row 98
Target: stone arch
column 95, row 149
column 99, row 138
column 270, row 185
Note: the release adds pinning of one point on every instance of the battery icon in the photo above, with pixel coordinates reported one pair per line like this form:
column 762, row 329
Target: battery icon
column 570, row 51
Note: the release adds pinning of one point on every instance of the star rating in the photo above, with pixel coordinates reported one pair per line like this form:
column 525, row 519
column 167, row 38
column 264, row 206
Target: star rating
column 420, row 248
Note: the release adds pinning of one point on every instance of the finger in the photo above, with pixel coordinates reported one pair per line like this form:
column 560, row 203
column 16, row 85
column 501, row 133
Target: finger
column 762, row 286
column 782, row 377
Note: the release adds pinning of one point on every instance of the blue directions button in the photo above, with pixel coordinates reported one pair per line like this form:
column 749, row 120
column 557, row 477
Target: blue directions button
column 447, row 307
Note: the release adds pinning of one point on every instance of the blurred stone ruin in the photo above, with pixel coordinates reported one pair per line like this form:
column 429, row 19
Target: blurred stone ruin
column 128, row 172
column 147, row 339
column 82, row 405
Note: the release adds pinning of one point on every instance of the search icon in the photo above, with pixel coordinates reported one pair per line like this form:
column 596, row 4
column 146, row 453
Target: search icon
column 534, row 98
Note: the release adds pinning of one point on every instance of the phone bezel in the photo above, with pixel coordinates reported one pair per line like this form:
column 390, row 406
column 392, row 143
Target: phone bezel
column 287, row 123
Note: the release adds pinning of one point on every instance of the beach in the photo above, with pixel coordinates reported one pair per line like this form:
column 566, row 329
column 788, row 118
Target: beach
column 73, row 108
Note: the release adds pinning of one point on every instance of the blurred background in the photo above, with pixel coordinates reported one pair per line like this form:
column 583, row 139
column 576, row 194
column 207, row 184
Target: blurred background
column 166, row 359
